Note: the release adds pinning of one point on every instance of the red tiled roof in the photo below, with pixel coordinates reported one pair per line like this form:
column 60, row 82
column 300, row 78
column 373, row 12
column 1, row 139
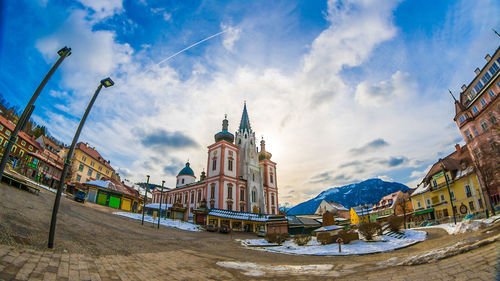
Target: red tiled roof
column 93, row 153
column 11, row 126
column 451, row 162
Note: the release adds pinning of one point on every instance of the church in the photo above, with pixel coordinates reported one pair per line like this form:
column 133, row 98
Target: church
column 239, row 176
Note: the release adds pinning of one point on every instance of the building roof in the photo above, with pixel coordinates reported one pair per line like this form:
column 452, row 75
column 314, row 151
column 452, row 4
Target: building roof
column 329, row 228
column 115, row 186
column 294, row 220
column 92, row 152
column 11, row 126
column 238, row 215
column 452, row 162
column 186, row 171
column 387, row 202
column 362, row 211
column 245, row 121
column 157, row 206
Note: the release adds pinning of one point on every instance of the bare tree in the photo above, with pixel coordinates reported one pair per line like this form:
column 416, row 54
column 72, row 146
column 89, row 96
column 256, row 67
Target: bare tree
column 402, row 205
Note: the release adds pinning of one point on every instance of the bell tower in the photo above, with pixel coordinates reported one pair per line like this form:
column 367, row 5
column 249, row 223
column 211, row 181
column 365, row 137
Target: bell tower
column 249, row 165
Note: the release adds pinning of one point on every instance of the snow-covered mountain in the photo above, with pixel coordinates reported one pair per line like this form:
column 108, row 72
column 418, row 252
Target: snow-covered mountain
column 366, row 192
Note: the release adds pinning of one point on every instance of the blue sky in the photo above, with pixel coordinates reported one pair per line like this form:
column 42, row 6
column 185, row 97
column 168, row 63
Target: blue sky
column 342, row 91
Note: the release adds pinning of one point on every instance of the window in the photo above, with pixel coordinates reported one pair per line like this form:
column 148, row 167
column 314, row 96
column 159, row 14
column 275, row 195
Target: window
column 474, row 109
column 242, row 195
column 7, row 132
column 442, row 198
column 469, row 135
column 1, row 127
column 471, row 205
column 212, row 205
column 212, row 191
column 434, row 183
column 493, row 118
column 447, row 177
column 452, row 195
column 92, row 163
column 23, row 143
column 272, row 199
column 78, row 178
column 461, row 119
column 214, row 164
column 492, row 94
column 80, row 168
column 428, row 203
column 475, row 131
column 484, row 125
column 229, row 191
column 468, row 191
column 480, row 203
column 253, row 176
column 182, row 181
column 89, row 173
column 98, row 176
column 84, row 158
column 483, row 102
column 271, row 176
column 107, row 172
column 493, row 69
column 229, row 206
column 199, row 195
column 242, row 208
column 230, row 165
column 192, row 197
column 418, row 204
column 254, row 195
column 30, row 148
column 100, row 168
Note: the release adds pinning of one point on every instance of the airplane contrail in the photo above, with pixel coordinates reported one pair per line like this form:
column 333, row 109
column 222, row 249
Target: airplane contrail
column 191, row 46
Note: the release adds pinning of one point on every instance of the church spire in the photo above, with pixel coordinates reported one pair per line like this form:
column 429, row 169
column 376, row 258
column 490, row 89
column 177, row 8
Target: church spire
column 245, row 121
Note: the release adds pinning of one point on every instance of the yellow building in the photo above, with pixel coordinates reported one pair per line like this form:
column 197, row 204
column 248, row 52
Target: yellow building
column 88, row 165
column 431, row 199
column 360, row 215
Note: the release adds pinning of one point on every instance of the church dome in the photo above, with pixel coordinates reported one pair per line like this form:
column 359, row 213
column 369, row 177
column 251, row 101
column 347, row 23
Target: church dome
column 186, row 171
column 224, row 134
column 263, row 154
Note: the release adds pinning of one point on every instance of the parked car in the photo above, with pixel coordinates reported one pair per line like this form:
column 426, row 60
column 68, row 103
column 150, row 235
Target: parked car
column 211, row 228
column 261, row 233
column 224, row 229
column 80, row 196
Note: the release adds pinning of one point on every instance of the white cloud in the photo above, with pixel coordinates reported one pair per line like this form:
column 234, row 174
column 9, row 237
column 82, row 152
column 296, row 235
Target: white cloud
column 103, row 8
column 231, row 35
column 385, row 92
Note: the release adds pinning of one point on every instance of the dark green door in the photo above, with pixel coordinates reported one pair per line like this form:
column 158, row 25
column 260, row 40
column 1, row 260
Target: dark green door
column 102, row 198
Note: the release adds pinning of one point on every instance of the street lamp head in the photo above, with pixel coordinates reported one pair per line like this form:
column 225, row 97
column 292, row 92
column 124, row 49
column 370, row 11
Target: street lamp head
column 107, row 82
column 64, row 51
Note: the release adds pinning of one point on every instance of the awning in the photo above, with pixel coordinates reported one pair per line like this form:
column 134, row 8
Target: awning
column 424, row 212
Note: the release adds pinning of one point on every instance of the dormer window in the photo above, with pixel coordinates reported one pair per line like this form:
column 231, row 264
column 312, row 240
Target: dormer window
column 474, row 109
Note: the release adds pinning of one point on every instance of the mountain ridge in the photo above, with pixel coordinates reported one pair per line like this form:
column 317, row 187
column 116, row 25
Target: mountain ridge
column 369, row 191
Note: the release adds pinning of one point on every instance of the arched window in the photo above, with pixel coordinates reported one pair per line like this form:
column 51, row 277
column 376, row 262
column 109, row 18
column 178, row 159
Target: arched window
column 254, row 195
column 242, row 195
column 272, row 199
column 186, row 199
column 214, row 164
column 182, row 181
column 199, row 195
column 271, row 176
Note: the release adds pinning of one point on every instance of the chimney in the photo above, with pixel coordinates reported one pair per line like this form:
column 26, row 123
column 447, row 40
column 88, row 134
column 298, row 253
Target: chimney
column 477, row 71
column 464, row 87
column 458, row 148
column 488, row 57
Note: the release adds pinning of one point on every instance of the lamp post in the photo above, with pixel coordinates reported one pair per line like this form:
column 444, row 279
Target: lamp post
column 145, row 197
column 161, row 199
column 106, row 83
column 449, row 192
column 25, row 116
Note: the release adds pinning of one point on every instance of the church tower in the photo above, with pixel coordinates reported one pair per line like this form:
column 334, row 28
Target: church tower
column 249, row 168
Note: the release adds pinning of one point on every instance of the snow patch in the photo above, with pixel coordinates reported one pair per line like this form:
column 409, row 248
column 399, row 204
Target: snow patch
column 460, row 227
column 256, row 270
column 166, row 222
column 357, row 247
